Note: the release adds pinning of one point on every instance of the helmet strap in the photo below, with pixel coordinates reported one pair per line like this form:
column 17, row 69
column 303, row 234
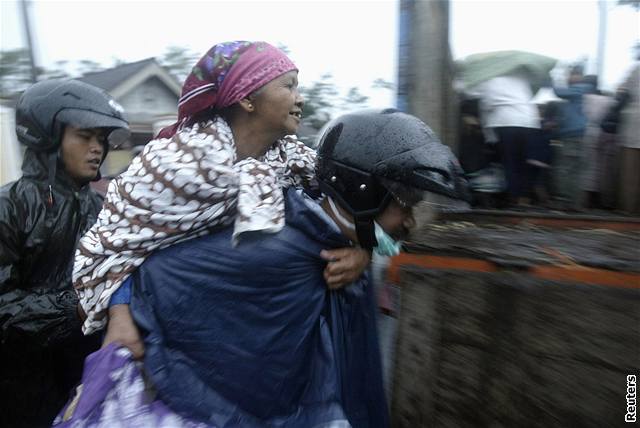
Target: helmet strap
column 363, row 226
column 341, row 219
column 365, row 230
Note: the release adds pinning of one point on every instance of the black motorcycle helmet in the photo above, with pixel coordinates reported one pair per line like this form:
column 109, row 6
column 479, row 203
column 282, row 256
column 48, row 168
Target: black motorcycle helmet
column 46, row 106
column 368, row 157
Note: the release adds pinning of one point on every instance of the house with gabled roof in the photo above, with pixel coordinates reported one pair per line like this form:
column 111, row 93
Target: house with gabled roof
column 149, row 95
column 147, row 92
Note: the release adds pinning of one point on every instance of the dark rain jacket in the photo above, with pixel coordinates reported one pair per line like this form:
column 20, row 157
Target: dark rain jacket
column 41, row 344
column 250, row 336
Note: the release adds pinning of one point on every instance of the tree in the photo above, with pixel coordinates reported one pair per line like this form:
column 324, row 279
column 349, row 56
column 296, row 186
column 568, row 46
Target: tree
column 15, row 71
column 633, row 3
column 59, row 71
column 380, row 83
column 354, row 99
column 178, row 61
column 323, row 99
column 86, row 66
column 319, row 99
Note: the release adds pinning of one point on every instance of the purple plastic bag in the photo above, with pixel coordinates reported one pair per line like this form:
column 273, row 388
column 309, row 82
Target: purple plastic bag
column 113, row 393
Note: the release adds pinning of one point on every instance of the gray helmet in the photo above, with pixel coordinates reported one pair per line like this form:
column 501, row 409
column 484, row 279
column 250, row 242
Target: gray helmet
column 45, row 106
column 366, row 158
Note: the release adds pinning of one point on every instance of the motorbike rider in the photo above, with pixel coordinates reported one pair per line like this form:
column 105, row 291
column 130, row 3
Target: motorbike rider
column 67, row 127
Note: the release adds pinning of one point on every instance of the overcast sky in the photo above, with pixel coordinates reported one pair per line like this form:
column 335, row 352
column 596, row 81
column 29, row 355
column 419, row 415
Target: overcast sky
column 354, row 40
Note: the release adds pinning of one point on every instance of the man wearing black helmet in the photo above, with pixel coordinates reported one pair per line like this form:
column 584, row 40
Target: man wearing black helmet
column 377, row 165
column 250, row 335
column 67, row 127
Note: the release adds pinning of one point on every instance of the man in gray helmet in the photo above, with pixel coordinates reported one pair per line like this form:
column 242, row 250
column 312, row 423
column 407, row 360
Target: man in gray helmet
column 250, row 335
column 67, row 127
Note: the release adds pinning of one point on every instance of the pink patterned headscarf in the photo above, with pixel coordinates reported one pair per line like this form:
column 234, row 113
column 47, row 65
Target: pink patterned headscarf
column 227, row 73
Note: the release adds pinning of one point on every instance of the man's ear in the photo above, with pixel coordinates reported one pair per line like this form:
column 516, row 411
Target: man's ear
column 247, row 104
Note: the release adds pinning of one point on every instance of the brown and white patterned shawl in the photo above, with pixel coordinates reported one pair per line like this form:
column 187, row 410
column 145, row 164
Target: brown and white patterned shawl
column 177, row 189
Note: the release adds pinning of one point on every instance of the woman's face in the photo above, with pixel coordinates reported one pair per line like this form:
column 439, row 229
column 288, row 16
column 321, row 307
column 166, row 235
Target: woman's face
column 279, row 104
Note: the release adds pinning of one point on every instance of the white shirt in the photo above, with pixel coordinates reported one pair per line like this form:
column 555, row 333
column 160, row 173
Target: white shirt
column 506, row 101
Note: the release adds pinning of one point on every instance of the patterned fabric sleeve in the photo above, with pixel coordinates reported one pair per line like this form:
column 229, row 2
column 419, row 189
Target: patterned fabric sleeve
column 297, row 163
column 289, row 163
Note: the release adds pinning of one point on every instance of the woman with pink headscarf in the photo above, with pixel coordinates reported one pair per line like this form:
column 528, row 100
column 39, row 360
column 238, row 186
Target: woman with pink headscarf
column 225, row 161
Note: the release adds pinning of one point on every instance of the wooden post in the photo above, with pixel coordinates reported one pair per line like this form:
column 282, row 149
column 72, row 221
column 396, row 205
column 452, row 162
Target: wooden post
column 425, row 68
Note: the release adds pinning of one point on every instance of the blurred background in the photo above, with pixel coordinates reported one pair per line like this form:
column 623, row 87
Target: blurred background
column 351, row 54
column 519, row 313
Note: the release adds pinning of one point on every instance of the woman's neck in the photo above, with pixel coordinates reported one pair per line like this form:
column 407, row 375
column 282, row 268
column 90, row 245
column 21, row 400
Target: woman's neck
column 250, row 139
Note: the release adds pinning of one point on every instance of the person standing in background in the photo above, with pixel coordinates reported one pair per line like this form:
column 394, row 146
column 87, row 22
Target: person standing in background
column 629, row 140
column 511, row 119
column 598, row 146
column 570, row 158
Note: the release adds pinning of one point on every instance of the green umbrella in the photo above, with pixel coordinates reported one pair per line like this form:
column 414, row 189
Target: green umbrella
column 481, row 67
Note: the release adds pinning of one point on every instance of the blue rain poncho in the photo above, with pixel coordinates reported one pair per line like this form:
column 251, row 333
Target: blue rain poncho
column 250, row 336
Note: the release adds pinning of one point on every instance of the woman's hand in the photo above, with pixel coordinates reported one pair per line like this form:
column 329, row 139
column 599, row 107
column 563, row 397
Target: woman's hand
column 123, row 330
column 344, row 265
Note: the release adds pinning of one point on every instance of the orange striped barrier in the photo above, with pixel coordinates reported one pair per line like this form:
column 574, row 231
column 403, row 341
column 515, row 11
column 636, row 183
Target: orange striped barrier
column 568, row 272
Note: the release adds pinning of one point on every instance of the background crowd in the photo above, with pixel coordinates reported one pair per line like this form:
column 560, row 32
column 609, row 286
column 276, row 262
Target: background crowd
column 575, row 148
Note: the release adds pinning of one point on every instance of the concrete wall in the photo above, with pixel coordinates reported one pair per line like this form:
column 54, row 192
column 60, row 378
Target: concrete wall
column 524, row 325
column 505, row 349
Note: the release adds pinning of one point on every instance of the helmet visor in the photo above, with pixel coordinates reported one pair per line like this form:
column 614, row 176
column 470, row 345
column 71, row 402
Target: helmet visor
column 432, row 205
column 87, row 119
column 412, row 196
column 427, row 209
column 117, row 137
column 426, row 205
